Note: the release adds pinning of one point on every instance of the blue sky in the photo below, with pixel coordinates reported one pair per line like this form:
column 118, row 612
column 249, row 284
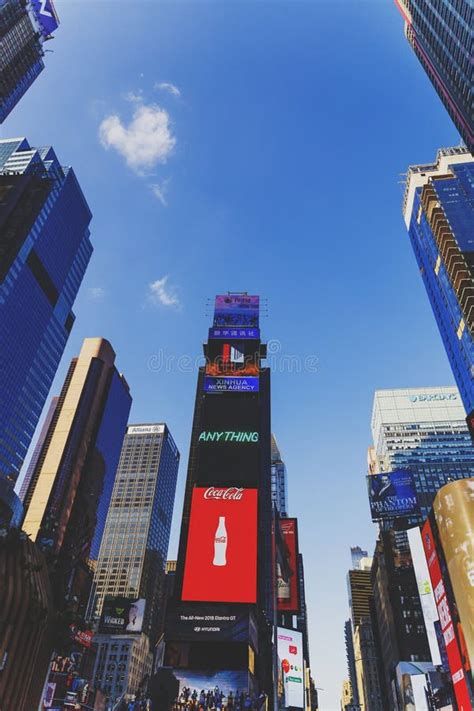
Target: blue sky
column 274, row 168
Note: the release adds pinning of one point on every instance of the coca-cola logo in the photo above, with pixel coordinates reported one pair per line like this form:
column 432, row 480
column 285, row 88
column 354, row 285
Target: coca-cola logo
column 231, row 494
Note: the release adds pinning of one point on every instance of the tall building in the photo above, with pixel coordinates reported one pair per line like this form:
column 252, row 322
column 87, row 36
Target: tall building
column 220, row 623
column 25, row 484
column 439, row 213
column 366, row 663
column 70, row 489
column 357, row 556
column 24, row 27
column 422, row 430
column 441, row 37
column 350, row 693
column 134, row 548
column 44, row 252
column 279, row 480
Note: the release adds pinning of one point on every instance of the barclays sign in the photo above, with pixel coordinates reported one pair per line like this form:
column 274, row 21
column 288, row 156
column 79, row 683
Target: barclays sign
column 434, row 397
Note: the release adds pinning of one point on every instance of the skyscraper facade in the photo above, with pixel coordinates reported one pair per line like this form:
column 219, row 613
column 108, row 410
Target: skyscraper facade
column 134, row 548
column 439, row 213
column 70, row 489
column 422, row 430
column 44, row 252
column 279, row 480
column 24, row 26
column 440, row 34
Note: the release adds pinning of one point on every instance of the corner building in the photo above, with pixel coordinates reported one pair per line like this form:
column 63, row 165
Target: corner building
column 44, row 252
column 219, row 623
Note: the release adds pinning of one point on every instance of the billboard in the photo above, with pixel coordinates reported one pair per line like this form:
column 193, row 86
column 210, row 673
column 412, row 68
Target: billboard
column 242, row 332
column 231, row 384
column 220, row 623
column 454, row 514
column 392, row 495
column 287, row 568
column 236, row 310
column 290, row 667
column 461, row 691
column 121, row 615
column 211, row 689
column 46, row 16
column 221, row 553
column 425, row 590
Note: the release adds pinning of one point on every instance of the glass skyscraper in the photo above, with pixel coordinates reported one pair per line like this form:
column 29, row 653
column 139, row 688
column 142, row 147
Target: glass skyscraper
column 423, row 430
column 69, row 491
column 440, row 33
column 439, row 215
column 44, row 252
column 134, row 546
column 24, row 26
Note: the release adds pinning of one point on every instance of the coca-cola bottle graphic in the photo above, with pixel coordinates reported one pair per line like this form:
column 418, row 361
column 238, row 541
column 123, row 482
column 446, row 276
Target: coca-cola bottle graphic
column 220, row 543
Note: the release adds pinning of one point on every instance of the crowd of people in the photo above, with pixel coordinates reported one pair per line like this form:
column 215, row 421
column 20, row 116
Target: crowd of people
column 216, row 700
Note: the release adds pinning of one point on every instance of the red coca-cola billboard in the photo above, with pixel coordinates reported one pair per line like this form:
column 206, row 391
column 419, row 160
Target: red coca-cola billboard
column 221, row 553
column 461, row 690
column 287, row 568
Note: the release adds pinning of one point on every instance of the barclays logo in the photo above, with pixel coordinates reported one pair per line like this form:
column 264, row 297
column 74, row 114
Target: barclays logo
column 435, row 396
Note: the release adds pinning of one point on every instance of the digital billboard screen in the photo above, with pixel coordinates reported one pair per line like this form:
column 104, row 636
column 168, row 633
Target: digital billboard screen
column 392, row 495
column 454, row 514
column 228, row 441
column 445, row 616
column 121, row 615
column 287, row 567
column 221, row 552
column 46, row 15
column 236, row 310
column 231, row 384
column 220, row 623
column 290, row 666
column 242, row 332
column 211, row 689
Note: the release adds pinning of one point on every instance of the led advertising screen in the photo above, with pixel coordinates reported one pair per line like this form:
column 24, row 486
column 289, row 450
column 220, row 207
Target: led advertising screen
column 46, row 16
column 236, row 310
column 220, row 623
column 242, row 333
column 425, row 590
column 287, row 568
column 221, row 553
column 121, row 615
column 454, row 514
column 199, row 689
column 228, row 441
column 290, row 666
column 392, row 495
column 231, row 384
column 445, row 616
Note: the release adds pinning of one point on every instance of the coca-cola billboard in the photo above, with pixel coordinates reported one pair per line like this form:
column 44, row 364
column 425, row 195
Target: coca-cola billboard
column 221, row 553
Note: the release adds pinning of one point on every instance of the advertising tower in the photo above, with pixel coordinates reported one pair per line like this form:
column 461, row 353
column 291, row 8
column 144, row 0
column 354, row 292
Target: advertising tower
column 219, row 624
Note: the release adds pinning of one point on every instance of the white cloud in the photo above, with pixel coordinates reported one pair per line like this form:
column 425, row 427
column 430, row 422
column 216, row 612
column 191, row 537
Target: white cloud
column 96, row 292
column 160, row 293
column 167, row 86
column 160, row 191
column 134, row 97
column 146, row 141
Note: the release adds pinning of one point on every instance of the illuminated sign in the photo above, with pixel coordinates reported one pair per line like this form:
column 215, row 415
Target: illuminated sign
column 445, row 617
column 231, row 384
column 46, row 16
column 228, row 437
column 222, row 623
column 290, row 667
column 433, row 397
column 146, row 429
column 392, row 494
column 287, row 569
column 121, row 615
column 236, row 310
column 242, row 332
column 221, row 553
